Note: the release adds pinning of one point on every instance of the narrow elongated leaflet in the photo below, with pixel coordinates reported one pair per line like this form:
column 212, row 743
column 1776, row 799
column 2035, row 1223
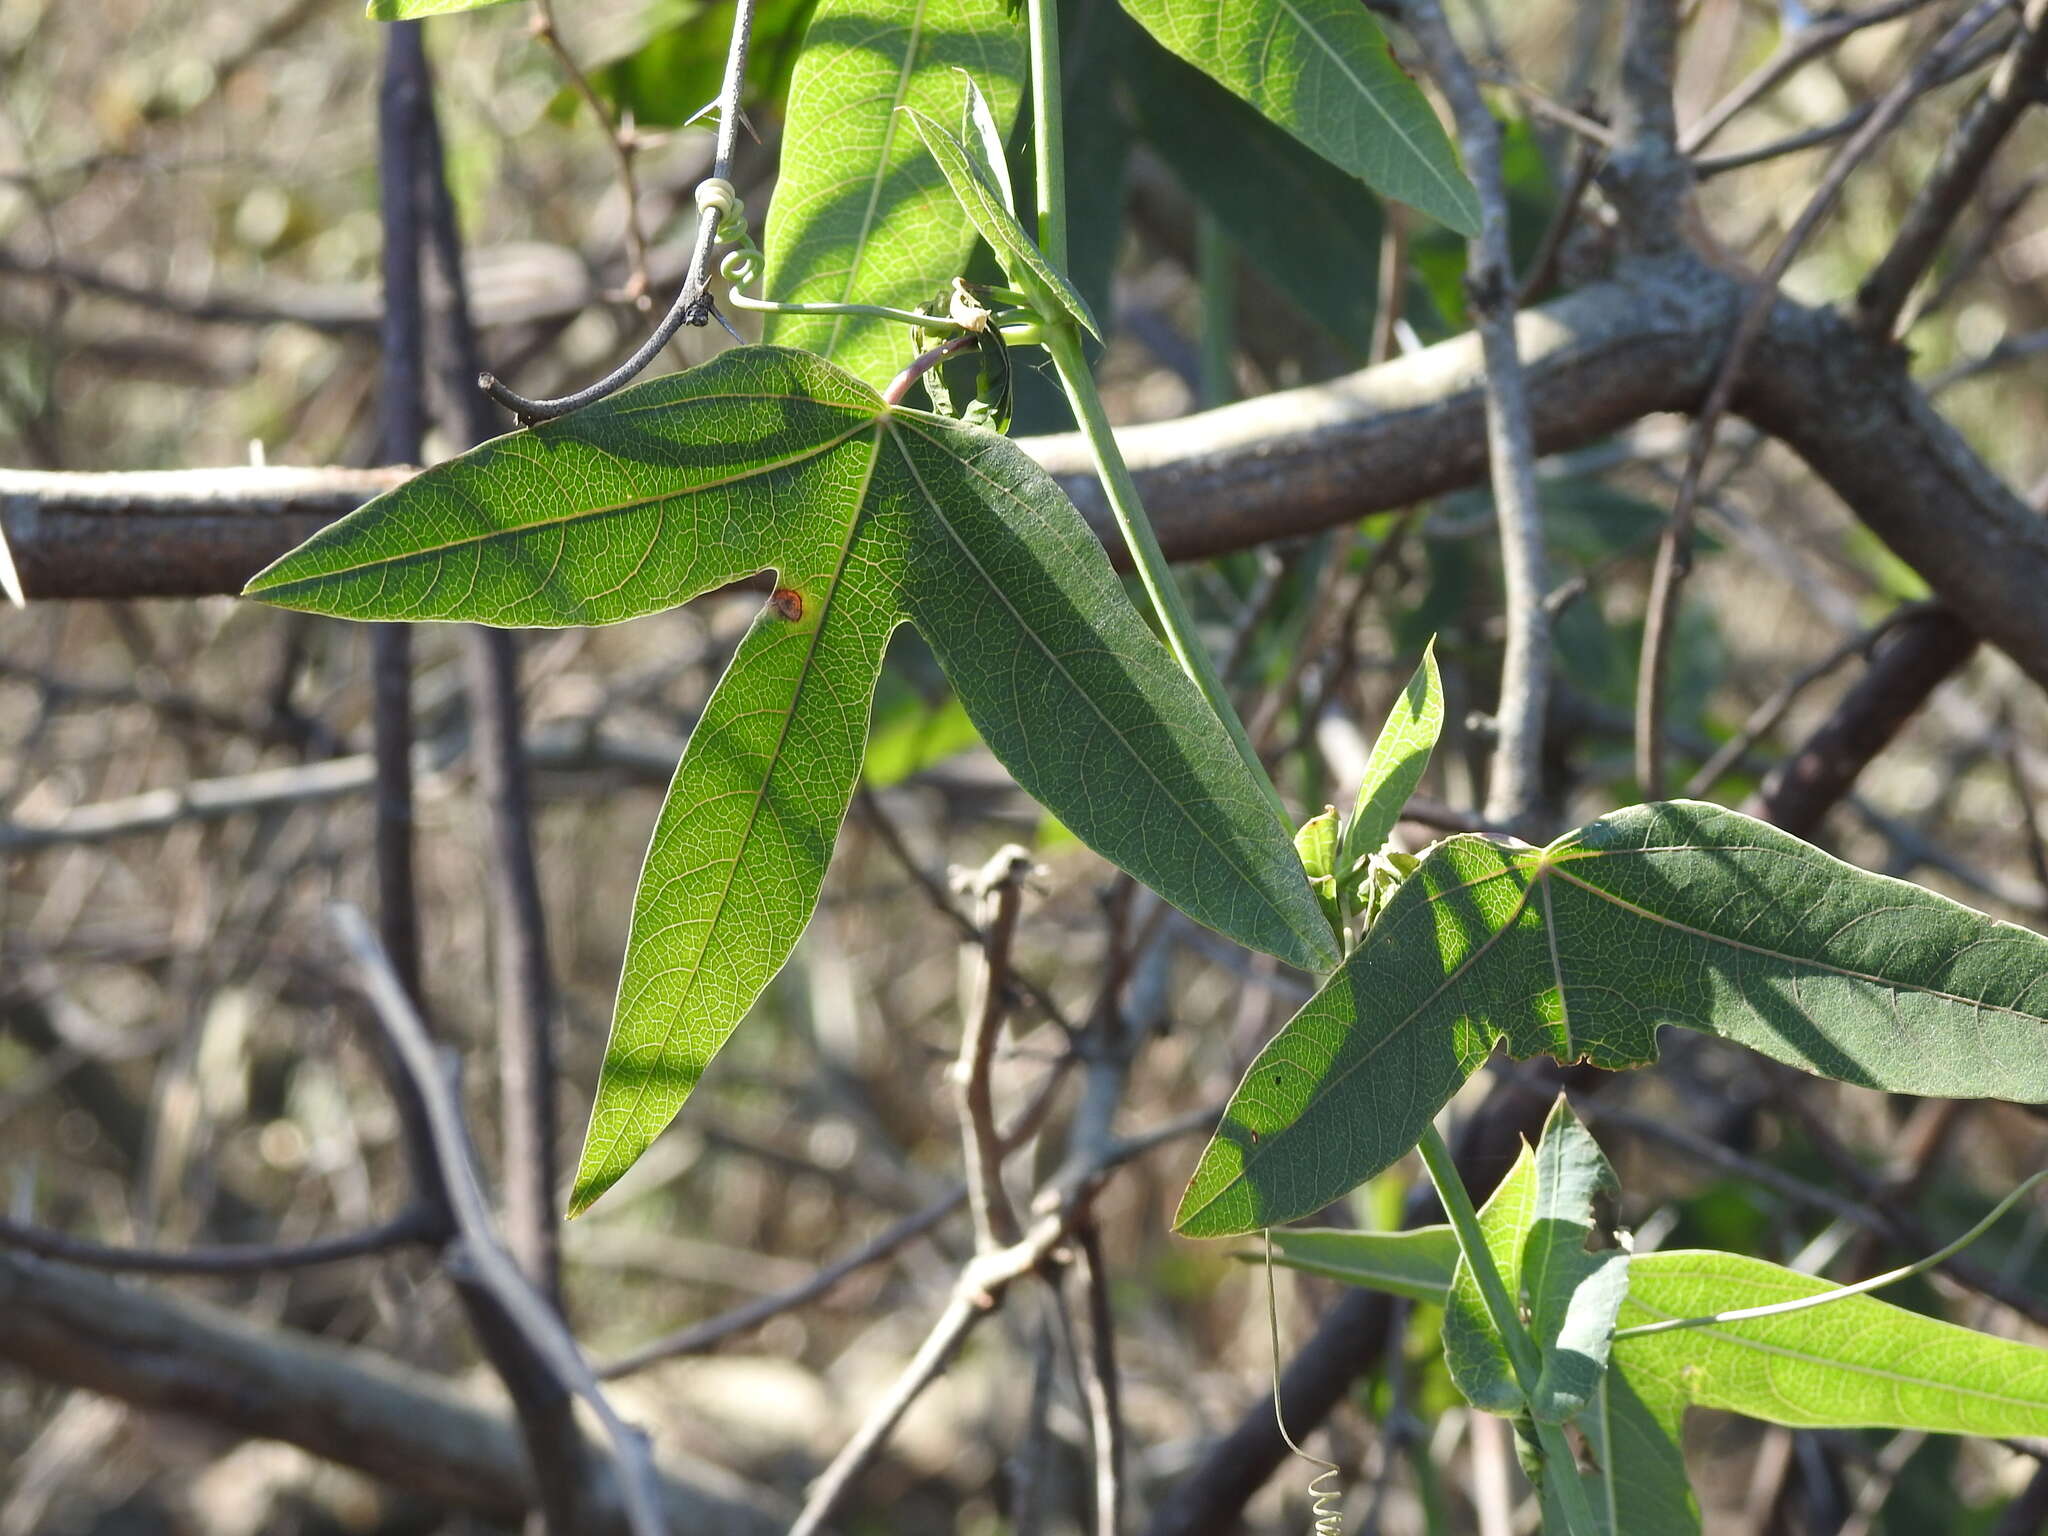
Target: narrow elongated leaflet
column 1572, row 1294
column 1416, row 1263
column 862, row 214
column 987, row 207
column 1857, row 1363
column 1676, row 913
column 1322, row 70
column 767, row 459
column 1398, row 758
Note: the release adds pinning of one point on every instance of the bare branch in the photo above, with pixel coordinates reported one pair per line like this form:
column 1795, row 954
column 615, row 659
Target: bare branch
column 1798, row 47
column 1964, row 158
column 1765, row 717
column 1925, row 650
column 1515, row 786
column 698, row 1338
column 475, row 1253
column 414, row 1226
column 998, row 891
column 1305, row 459
column 1099, row 1383
column 618, row 138
column 1674, row 552
column 693, row 304
column 1646, row 177
column 351, row 1406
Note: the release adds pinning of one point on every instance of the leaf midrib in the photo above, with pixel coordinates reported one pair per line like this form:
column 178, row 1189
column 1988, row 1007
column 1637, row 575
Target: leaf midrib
column 881, row 176
column 1758, row 950
column 1893, row 1378
column 581, row 514
column 1328, row 1085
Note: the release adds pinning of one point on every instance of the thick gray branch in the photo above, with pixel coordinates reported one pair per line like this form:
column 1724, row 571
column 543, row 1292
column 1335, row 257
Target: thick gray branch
column 1294, row 462
column 412, row 1430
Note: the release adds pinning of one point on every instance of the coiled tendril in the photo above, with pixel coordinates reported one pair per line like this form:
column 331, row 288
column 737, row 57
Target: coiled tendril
column 1326, row 1488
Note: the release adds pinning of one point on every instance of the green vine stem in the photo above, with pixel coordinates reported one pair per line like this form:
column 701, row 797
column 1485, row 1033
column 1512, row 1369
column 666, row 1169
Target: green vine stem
column 1063, row 341
column 1560, row 1465
column 1048, row 129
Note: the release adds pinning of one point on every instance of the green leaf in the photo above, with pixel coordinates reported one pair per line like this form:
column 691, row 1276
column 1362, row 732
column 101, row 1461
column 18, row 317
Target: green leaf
column 987, row 208
column 1637, row 1484
column 415, row 10
column 1316, row 842
column 871, row 516
column 1857, row 1363
column 1677, row 913
column 1572, row 1295
column 1417, row 1264
column 983, row 140
column 1473, row 1349
column 1398, row 759
column 671, row 62
column 1313, row 230
column 861, row 212
column 1322, row 70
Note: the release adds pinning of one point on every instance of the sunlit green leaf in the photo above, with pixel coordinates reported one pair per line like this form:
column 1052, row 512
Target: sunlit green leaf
column 987, row 206
column 1857, row 1363
column 862, row 213
column 1398, row 759
column 983, row 140
column 766, row 459
column 1636, row 1482
column 1676, row 913
column 1313, row 230
column 1322, row 70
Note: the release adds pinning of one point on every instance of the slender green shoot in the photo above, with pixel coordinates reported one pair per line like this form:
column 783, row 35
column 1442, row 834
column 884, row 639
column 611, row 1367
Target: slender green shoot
column 1560, row 1464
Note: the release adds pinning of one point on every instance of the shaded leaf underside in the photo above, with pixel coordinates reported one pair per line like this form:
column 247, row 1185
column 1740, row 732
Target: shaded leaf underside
column 1321, row 69
column 1676, row 913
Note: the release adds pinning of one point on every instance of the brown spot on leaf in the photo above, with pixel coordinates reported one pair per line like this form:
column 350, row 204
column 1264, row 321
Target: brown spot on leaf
column 787, row 603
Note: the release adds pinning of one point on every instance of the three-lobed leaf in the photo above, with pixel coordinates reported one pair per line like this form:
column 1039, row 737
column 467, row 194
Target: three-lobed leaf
column 1322, row 70
column 767, row 459
column 1669, row 914
column 862, row 214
